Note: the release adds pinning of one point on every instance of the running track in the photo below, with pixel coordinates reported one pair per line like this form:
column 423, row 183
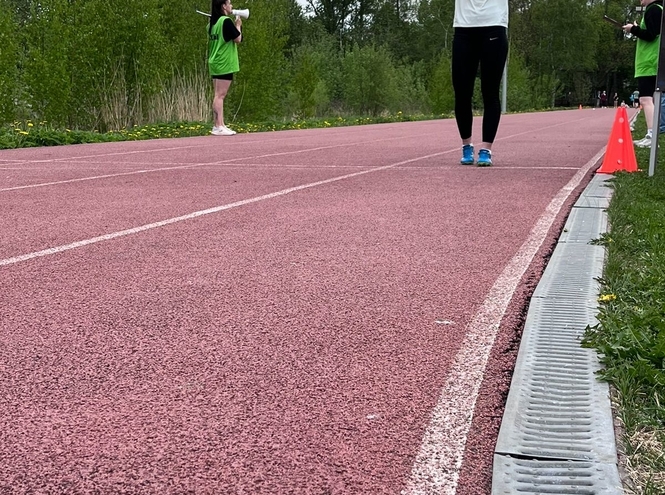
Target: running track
column 307, row 312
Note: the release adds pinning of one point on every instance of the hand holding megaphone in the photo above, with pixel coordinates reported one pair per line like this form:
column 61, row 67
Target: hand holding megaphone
column 244, row 13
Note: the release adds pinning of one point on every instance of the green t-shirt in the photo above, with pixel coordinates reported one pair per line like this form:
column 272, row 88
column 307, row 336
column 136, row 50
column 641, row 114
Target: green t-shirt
column 646, row 52
column 222, row 55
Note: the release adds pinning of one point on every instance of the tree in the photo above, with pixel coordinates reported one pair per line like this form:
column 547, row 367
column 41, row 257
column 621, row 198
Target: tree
column 8, row 62
column 260, row 85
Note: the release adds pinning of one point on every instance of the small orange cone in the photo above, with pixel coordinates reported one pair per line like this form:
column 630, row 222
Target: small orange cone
column 580, row 107
column 620, row 153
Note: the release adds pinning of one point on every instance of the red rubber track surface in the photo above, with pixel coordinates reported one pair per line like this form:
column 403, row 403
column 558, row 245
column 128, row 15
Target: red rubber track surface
column 292, row 344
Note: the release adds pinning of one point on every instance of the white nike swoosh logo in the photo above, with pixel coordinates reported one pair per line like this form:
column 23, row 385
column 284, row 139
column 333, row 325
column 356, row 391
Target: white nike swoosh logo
column 492, row 39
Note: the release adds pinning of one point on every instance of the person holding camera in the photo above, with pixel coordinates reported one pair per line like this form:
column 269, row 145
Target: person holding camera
column 224, row 34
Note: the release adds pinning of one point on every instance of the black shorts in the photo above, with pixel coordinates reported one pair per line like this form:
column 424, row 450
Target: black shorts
column 646, row 85
column 229, row 77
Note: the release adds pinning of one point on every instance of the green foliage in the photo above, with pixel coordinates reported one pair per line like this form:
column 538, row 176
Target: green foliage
column 441, row 86
column 436, row 29
column 260, row 86
column 309, row 90
column 631, row 332
column 45, row 72
column 96, row 64
column 520, row 96
column 8, row 63
column 369, row 85
column 182, row 36
column 412, row 96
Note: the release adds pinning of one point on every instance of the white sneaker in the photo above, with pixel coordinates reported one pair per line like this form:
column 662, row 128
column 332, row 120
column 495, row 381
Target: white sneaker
column 230, row 130
column 644, row 143
column 222, row 131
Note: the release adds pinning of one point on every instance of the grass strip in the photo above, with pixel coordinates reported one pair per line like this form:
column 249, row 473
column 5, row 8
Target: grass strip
column 29, row 134
column 630, row 335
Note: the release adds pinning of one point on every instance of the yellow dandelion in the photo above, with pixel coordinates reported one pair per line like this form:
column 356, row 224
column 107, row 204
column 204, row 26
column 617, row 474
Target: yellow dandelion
column 607, row 298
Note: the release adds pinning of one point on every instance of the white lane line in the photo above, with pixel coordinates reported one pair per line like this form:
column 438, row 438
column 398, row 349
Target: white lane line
column 95, row 177
column 437, row 465
column 162, row 169
column 189, row 216
column 133, row 152
column 194, row 165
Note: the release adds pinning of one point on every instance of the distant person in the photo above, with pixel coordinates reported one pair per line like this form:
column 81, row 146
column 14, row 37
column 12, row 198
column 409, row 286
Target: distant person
column 480, row 40
column 646, row 60
column 224, row 34
column 615, row 98
column 635, row 98
column 603, row 99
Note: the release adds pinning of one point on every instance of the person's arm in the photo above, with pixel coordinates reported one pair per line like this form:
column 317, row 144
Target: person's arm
column 238, row 26
column 652, row 19
column 231, row 30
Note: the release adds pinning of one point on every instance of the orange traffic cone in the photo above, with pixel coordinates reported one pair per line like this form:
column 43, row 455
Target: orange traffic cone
column 620, row 153
column 580, row 107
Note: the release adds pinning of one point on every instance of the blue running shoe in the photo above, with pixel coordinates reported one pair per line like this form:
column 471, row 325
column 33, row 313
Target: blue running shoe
column 467, row 155
column 484, row 158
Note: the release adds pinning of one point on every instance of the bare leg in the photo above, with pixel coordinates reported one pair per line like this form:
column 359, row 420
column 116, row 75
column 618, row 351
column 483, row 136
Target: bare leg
column 647, row 106
column 221, row 88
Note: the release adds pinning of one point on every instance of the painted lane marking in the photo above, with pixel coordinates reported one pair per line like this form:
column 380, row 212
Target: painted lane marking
column 162, row 169
column 439, row 460
column 95, row 177
column 189, row 216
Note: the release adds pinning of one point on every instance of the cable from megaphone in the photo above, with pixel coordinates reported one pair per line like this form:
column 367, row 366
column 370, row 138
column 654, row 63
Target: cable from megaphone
column 244, row 13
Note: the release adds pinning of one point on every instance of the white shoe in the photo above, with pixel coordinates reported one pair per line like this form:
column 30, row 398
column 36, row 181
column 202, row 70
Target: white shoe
column 230, row 130
column 643, row 143
column 222, row 131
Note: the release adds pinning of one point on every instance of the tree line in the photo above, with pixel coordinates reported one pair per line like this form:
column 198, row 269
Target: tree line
column 96, row 64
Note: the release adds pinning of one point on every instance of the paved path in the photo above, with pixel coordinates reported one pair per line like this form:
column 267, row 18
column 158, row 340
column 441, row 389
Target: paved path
column 296, row 312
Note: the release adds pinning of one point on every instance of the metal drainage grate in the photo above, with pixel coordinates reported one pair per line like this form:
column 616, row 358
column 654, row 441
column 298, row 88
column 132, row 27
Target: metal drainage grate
column 557, row 435
column 572, row 272
column 521, row 476
column 583, row 225
column 556, row 407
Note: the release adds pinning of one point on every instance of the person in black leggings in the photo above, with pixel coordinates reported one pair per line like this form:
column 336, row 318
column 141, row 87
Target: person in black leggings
column 480, row 40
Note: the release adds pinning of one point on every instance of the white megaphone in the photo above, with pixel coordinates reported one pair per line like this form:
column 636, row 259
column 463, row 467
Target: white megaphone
column 244, row 13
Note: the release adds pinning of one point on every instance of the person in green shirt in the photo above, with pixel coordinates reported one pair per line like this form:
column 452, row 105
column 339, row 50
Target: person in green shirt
column 646, row 60
column 224, row 34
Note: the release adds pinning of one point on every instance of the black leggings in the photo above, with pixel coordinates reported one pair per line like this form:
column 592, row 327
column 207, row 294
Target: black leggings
column 487, row 47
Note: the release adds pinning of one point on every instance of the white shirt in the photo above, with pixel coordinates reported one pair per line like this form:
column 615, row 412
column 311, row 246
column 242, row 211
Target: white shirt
column 481, row 13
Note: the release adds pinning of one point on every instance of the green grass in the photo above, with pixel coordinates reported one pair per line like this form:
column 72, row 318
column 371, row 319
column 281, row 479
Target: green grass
column 630, row 336
column 29, row 134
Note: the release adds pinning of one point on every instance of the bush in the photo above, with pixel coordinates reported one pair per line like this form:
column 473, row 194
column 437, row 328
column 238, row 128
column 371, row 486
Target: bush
column 520, row 95
column 370, row 82
column 441, row 92
column 8, row 64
